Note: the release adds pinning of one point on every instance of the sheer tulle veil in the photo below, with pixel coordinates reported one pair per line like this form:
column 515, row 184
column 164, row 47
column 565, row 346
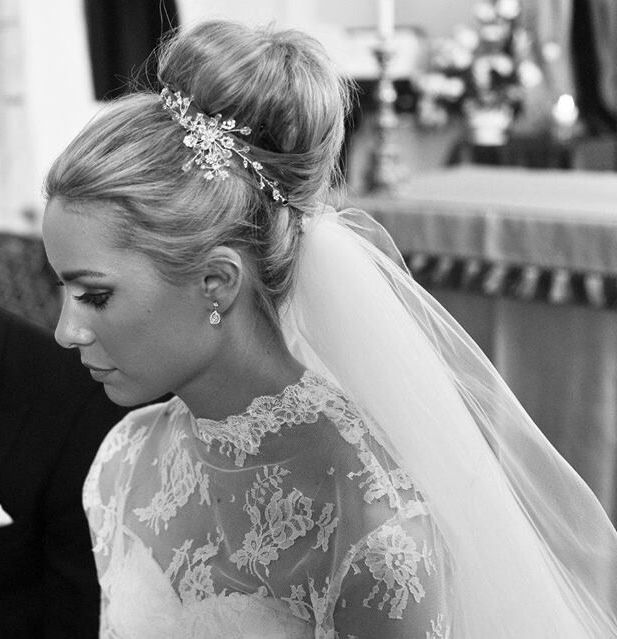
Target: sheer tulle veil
column 534, row 554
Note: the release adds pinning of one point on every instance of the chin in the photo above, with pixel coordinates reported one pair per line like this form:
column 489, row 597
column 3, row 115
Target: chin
column 123, row 396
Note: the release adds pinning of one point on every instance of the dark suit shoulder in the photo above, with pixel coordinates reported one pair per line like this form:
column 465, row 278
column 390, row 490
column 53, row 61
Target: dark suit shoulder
column 53, row 417
column 34, row 368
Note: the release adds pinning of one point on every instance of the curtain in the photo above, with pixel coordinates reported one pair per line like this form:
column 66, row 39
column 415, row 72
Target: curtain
column 593, row 49
column 18, row 188
column 604, row 25
column 549, row 23
column 121, row 36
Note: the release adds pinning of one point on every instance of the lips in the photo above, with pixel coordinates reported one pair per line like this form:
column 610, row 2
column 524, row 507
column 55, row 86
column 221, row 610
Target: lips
column 99, row 369
column 98, row 373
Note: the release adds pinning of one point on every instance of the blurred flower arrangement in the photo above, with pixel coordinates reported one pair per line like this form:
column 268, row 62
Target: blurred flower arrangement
column 482, row 73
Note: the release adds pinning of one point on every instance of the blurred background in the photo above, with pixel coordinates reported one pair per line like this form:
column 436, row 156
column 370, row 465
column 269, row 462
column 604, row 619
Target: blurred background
column 483, row 137
column 460, row 68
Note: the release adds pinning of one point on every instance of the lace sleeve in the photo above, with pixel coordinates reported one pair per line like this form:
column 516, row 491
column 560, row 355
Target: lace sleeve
column 396, row 585
column 394, row 579
column 315, row 532
column 109, row 479
column 379, row 567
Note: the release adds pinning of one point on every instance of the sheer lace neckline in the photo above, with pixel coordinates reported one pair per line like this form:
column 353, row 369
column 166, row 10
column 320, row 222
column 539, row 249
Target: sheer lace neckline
column 242, row 434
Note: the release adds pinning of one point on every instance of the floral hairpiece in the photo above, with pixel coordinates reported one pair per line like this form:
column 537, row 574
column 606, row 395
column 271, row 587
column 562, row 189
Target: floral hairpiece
column 210, row 138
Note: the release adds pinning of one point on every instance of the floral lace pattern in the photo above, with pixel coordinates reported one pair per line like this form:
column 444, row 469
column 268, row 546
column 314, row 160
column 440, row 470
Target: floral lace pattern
column 179, row 478
column 329, row 532
column 392, row 557
column 277, row 521
column 439, row 628
column 241, row 435
column 197, row 583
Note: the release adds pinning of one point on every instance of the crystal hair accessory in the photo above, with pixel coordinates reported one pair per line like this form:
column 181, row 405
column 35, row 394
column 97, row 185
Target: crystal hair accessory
column 210, row 138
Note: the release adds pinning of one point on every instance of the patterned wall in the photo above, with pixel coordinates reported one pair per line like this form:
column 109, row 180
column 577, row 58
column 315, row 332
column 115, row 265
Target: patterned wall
column 27, row 283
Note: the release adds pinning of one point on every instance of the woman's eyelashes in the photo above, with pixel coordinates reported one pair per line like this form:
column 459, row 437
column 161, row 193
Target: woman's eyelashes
column 97, row 300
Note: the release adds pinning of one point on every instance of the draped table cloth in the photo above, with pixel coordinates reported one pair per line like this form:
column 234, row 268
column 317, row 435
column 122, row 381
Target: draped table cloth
column 527, row 262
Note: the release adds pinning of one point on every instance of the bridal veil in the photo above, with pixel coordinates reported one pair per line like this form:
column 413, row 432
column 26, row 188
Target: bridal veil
column 534, row 553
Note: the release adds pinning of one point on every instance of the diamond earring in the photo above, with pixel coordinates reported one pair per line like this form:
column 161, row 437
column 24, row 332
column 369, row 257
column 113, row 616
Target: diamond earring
column 215, row 316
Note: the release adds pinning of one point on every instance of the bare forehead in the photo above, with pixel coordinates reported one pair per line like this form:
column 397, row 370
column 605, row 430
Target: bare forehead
column 79, row 239
column 82, row 246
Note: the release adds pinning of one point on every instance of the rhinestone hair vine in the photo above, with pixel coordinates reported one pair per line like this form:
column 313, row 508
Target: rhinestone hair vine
column 210, row 139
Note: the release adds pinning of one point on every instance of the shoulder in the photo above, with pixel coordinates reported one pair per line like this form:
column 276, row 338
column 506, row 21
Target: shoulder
column 344, row 446
column 119, row 451
column 320, row 397
column 35, row 368
column 341, row 429
column 318, row 416
column 59, row 409
column 133, row 429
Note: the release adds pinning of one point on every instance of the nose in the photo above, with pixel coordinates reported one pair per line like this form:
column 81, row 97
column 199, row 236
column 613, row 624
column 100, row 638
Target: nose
column 71, row 331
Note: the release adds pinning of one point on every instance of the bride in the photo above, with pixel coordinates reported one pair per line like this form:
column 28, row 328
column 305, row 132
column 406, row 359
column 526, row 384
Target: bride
column 338, row 458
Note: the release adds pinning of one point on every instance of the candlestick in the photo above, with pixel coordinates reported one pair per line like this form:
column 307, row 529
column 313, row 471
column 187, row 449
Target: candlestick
column 385, row 170
column 385, row 19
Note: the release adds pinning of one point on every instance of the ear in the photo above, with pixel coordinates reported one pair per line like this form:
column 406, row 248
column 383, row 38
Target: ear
column 222, row 276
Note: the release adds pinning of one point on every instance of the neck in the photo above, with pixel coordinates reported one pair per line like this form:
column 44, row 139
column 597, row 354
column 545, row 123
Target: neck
column 250, row 363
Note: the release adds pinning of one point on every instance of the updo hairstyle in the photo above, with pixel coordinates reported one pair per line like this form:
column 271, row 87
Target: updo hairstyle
column 282, row 85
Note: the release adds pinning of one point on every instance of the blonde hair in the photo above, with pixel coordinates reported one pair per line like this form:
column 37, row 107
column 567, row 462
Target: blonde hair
column 282, row 85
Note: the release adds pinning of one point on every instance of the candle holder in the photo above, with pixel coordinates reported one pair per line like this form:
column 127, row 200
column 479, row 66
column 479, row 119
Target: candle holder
column 385, row 170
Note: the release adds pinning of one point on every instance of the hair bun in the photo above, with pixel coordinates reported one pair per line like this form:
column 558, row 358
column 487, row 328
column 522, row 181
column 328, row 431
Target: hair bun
column 281, row 84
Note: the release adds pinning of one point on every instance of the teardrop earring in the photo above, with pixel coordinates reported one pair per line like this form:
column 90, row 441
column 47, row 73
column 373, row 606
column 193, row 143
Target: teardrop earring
column 215, row 316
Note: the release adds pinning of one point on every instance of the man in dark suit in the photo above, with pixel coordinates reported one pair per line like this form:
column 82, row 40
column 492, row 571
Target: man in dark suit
column 53, row 417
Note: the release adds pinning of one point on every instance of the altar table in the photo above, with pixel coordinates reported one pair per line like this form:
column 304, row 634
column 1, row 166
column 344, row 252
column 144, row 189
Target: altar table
column 527, row 262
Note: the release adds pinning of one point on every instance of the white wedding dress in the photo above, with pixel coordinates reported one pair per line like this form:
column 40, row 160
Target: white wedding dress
column 287, row 521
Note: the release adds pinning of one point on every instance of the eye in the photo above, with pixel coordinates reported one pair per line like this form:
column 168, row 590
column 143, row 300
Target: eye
column 98, row 300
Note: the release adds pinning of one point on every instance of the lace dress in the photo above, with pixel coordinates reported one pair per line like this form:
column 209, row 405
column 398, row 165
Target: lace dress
column 287, row 521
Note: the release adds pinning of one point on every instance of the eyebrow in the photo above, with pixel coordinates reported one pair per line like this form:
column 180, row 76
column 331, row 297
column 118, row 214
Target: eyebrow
column 69, row 276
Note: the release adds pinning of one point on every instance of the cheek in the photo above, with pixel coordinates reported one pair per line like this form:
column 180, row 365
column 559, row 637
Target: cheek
column 157, row 359
column 154, row 344
column 122, row 341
